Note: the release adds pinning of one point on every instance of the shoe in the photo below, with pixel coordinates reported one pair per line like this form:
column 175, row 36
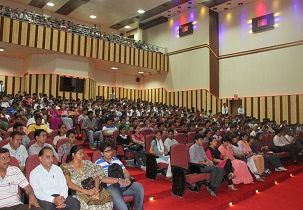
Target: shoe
column 211, row 192
column 278, row 169
column 232, row 187
column 92, row 147
column 282, row 168
column 231, row 176
column 260, row 180
column 194, row 188
column 143, row 168
column 267, row 171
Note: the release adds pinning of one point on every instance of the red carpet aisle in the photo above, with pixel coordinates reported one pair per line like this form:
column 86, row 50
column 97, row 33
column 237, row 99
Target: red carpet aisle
column 160, row 190
column 285, row 195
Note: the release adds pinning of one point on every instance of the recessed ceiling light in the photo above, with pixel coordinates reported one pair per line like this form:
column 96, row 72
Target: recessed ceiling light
column 229, row 3
column 127, row 27
column 240, row 4
column 225, row 8
column 140, row 11
column 93, row 16
column 1, row 49
column 50, row 4
column 114, row 68
column 140, row 72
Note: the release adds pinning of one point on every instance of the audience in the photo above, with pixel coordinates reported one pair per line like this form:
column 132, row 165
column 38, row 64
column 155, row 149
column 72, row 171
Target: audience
column 64, row 149
column 61, row 134
column 170, row 141
column 11, row 179
column 49, row 184
column 122, row 189
column 90, row 126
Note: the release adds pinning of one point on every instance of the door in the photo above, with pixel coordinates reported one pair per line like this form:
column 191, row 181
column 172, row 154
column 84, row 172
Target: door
column 234, row 105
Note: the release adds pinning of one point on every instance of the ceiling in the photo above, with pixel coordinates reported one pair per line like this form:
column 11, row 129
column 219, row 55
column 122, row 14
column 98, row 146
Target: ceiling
column 118, row 13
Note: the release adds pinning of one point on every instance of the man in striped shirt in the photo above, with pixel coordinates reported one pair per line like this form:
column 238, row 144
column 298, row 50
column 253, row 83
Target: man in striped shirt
column 11, row 178
column 135, row 189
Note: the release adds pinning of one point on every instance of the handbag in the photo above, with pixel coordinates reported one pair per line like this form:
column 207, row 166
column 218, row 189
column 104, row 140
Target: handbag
column 116, row 171
column 135, row 147
column 104, row 196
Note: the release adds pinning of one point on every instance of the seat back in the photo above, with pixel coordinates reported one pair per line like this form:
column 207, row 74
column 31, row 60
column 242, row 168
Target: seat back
column 190, row 137
column 268, row 140
column 14, row 162
column 53, row 134
column 31, row 143
column 181, row 138
column 164, row 137
column 96, row 155
column 179, row 156
column 147, row 132
column 32, row 162
column 61, row 142
column 3, row 143
column 31, row 135
column 148, row 140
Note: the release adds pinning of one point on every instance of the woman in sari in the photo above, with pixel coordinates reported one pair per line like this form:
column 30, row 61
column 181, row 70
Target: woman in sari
column 242, row 174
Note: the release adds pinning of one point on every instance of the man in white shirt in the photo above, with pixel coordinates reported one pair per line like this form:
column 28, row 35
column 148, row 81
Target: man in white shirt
column 49, row 184
column 11, row 178
column 241, row 110
column 16, row 149
column 170, row 141
column 224, row 109
column 282, row 144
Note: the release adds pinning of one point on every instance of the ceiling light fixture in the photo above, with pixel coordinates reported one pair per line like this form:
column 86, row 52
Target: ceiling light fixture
column 1, row 49
column 240, row 4
column 127, row 27
column 93, row 16
column 140, row 72
column 140, row 11
column 50, row 4
column 114, row 68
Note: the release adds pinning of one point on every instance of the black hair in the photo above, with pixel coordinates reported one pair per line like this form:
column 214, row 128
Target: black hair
column 104, row 145
column 226, row 139
column 69, row 132
column 198, row 136
column 16, row 125
column 38, row 116
column 73, row 150
column 38, row 132
column 44, row 149
column 3, row 150
column 15, row 133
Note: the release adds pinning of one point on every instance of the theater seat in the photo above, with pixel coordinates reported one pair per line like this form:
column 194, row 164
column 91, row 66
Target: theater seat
column 268, row 141
column 182, row 176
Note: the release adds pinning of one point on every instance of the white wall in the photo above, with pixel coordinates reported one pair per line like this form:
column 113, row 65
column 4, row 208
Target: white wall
column 10, row 66
column 269, row 73
column 188, row 70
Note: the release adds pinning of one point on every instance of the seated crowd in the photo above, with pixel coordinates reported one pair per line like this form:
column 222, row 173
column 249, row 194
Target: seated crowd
column 230, row 148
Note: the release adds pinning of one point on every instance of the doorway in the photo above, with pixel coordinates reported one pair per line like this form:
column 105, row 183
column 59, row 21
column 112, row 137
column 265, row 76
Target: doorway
column 234, row 105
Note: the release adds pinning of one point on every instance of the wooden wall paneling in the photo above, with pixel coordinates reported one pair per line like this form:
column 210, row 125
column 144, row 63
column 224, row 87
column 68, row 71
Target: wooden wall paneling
column 2, row 78
column 17, row 85
column 54, row 85
column 208, row 101
column 277, row 109
column 82, row 48
column 26, row 83
column 162, row 62
column 132, row 56
column 106, row 50
column 141, row 58
column 9, row 85
column 40, row 83
column 112, row 51
column 127, row 55
column 164, row 96
column 122, row 52
column 199, row 100
column 184, row 99
column 136, row 57
column 154, row 64
column 16, row 32
column 150, row 60
column 168, row 98
column 158, row 67
column 46, row 84
column 24, row 35
column 48, row 38
column 219, row 105
column 117, row 92
column 33, row 83
column 204, row 98
column 180, row 101
column 175, row 99
column 194, row 99
column 87, row 88
column 94, row 48
column 255, row 107
column 166, row 63
column 145, row 58
column 32, row 37
column 6, row 29
column 249, row 111
column 157, row 93
column 105, row 93
column 40, row 37
column 117, row 52
column 293, row 108
column 62, row 36
column 88, row 51
column 160, row 96
column 128, row 94
column 69, row 39
column 269, row 107
column 137, row 94
column 133, row 94
column 300, row 109
column 55, row 39
column 67, row 95
column 243, row 104
column 75, row 45
column 284, row 110
column 214, row 104
column 100, row 52
column 262, row 108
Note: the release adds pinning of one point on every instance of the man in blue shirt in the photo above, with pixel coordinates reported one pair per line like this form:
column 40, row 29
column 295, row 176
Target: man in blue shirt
column 135, row 189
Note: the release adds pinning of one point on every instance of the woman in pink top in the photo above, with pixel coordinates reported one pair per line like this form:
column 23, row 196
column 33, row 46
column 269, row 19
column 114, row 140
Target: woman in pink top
column 245, row 149
column 240, row 168
column 138, row 137
column 55, row 120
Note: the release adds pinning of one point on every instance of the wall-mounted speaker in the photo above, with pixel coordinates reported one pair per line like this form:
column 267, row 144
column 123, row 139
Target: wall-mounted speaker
column 137, row 79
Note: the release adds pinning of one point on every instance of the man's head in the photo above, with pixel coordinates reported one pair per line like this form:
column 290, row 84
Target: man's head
column 18, row 127
column 4, row 158
column 171, row 133
column 71, row 135
column 46, row 157
column 198, row 139
column 90, row 114
column 38, row 119
column 40, row 136
column 16, row 139
column 106, row 150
